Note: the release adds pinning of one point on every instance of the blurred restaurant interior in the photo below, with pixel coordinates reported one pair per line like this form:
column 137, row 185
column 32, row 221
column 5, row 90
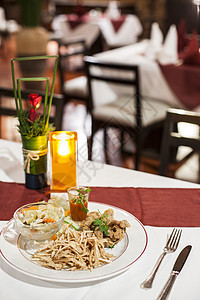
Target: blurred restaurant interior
column 116, row 124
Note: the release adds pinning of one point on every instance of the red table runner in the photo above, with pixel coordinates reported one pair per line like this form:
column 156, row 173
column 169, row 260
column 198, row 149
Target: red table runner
column 184, row 82
column 152, row 206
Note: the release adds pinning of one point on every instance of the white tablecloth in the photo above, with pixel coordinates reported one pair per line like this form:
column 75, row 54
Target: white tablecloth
column 15, row 285
column 128, row 32
column 125, row 286
column 152, row 82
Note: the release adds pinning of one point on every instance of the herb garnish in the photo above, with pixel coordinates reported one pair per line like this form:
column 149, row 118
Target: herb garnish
column 81, row 198
column 70, row 224
column 101, row 223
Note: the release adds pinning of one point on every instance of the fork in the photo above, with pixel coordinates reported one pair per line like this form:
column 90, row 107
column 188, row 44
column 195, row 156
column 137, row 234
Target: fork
column 171, row 246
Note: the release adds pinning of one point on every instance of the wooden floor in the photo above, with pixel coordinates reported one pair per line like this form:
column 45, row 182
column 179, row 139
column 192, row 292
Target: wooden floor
column 76, row 119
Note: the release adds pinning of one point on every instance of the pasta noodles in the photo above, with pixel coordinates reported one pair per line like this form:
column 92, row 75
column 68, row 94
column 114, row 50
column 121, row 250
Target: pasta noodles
column 73, row 250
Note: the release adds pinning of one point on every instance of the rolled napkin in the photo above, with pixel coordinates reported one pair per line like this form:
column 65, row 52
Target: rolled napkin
column 168, row 54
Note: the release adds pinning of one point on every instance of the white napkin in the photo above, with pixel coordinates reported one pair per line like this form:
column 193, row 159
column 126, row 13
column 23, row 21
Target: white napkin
column 112, row 11
column 168, row 54
column 156, row 36
column 2, row 19
column 155, row 43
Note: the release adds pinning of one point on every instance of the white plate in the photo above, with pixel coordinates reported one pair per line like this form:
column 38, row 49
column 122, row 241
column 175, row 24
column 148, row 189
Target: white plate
column 127, row 252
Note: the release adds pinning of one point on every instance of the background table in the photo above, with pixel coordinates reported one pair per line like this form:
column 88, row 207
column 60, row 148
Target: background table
column 126, row 285
column 153, row 82
column 126, row 34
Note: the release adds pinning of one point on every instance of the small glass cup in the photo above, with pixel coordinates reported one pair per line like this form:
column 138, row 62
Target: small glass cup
column 78, row 201
column 37, row 234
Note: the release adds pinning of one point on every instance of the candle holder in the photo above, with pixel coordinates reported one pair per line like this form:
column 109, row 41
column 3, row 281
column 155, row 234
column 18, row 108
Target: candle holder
column 63, row 160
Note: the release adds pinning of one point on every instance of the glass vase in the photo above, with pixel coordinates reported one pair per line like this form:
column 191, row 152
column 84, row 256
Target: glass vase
column 35, row 162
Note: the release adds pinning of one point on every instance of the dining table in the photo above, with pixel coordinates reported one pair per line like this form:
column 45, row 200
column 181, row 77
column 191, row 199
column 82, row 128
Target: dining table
column 173, row 83
column 154, row 204
column 116, row 31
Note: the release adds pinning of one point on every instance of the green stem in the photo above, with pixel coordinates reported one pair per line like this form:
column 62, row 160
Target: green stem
column 45, row 100
column 34, row 79
column 14, row 85
column 52, row 89
column 46, row 117
column 19, row 95
column 34, row 57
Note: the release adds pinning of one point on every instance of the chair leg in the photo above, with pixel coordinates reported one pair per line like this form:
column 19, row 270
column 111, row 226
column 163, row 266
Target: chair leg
column 137, row 157
column 93, row 131
column 165, row 148
column 164, row 160
column 138, row 149
column 90, row 146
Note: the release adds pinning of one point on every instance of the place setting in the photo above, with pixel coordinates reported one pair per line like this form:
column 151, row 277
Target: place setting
column 93, row 198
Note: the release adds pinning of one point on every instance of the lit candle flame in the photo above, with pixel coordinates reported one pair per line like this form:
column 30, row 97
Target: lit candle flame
column 63, row 148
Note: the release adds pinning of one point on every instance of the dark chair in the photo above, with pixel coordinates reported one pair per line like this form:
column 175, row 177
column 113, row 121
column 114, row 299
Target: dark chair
column 56, row 113
column 172, row 139
column 75, row 88
column 129, row 112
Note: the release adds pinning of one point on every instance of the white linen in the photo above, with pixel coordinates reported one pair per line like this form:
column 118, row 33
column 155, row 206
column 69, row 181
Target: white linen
column 112, row 11
column 152, row 82
column 168, row 54
column 87, row 31
column 155, row 42
column 156, row 35
column 125, row 286
column 127, row 34
column 91, row 173
column 10, row 26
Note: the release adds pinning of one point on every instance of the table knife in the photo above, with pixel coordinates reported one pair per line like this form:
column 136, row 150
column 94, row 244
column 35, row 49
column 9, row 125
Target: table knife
column 179, row 263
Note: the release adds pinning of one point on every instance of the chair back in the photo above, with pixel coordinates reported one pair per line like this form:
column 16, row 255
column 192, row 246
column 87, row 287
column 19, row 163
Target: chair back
column 173, row 139
column 127, row 80
column 67, row 49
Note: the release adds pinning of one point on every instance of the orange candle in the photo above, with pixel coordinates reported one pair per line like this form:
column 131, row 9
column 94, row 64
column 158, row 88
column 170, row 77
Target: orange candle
column 63, row 153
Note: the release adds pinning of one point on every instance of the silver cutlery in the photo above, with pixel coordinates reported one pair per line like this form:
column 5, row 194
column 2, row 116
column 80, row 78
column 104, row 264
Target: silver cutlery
column 171, row 246
column 179, row 263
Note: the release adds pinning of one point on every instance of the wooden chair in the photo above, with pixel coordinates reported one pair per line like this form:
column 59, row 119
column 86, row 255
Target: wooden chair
column 75, row 88
column 10, row 110
column 173, row 139
column 129, row 112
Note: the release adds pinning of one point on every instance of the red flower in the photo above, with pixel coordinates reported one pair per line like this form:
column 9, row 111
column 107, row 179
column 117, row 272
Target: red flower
column 35, row 100
column 33, row 115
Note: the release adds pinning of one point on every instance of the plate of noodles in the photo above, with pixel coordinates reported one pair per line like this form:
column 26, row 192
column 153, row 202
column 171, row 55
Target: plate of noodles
column 102, row 263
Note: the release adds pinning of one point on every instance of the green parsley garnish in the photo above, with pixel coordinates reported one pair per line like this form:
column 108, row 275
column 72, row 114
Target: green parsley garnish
column 101, row 223
column 81, row 198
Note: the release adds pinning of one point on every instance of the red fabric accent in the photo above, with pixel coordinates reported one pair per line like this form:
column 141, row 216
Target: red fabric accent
column 75, row 20
column 191, row 55
column 182, row 36
column 184, row 82
column 117, row 23
column 14, row 195
column 152, row 206
column 79, row 10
